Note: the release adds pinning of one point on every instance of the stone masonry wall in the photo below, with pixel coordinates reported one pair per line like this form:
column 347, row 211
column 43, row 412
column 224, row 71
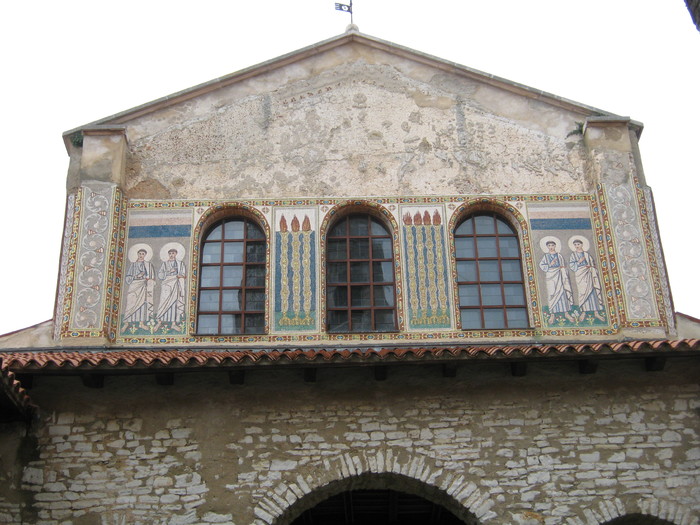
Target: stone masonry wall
column 554, row 446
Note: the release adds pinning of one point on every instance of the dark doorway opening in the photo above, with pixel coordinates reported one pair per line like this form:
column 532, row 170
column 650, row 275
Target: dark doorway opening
column 638, row 519
column 377, row 507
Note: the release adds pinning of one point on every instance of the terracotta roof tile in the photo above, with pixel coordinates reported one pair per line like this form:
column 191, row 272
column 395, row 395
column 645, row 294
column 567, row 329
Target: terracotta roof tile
column 13, row 396
column 192, row 358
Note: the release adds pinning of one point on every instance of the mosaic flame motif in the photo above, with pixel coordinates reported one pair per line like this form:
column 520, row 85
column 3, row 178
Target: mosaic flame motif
column 426, row 265
column 295, row 302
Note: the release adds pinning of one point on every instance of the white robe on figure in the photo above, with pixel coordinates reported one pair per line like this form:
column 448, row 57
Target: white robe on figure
column 590, row 291
column 171, row 307
column 139, row 295
column 559, row 292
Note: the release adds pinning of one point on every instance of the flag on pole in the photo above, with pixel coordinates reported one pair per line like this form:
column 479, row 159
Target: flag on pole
column 343, row 7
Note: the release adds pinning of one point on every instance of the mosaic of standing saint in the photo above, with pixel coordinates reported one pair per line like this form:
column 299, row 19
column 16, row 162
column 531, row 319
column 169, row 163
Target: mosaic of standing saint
column 140, row 282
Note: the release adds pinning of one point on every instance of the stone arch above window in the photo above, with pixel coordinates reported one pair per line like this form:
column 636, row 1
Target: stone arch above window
column 638, row 519
column 361, row 293
column 489, row 273
column 232, row 275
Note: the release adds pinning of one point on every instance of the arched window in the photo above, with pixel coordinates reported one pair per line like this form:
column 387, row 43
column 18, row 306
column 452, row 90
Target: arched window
column 489, row 274
column 360, row 288
column 232, row 278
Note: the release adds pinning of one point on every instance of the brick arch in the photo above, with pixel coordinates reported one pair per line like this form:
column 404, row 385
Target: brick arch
column 382, row 469
column 615, row 511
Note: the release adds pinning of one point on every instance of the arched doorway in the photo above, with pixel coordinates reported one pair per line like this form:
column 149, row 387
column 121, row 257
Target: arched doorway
column 377, row 507
column 638, row 519
column 373, row 499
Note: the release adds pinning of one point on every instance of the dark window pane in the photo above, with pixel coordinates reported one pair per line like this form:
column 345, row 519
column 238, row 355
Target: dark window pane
column 231, row 300
column 210, row 276
column 255, row 276
column 358, row 225
column 207, row 324
column 254, row 323
column 511, row 271
column 491, row 295
column 486, row 247
column 494, row 319
column 360, row 296
column 466, row 271
column 211, row 253
column 384, row 320
column 253, row 231
column 517, row 317
column 337, row 249
column 484, row 224
column 233, row 276
column 381, row 248
column 233, row 252
column 339, row 230
column 383, row 296
column 337, row 273
column 466, row 228
column 359, row 248
column 471, row 319
column 489, row 271
column 359, row 272
column 383, row 272
column 233, row 230
column 514, row 294
column 337, row 296
column 509, row 247
column 465, row 248
column 209, row 301
column 254, row 300
column 338, row 321
column 255, row 252
column 361, row 320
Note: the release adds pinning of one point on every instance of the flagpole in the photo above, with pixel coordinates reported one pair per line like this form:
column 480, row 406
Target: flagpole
column 351, row 13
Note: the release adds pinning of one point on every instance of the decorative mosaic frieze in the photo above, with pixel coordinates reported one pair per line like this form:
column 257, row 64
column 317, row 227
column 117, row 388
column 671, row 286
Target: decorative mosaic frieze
column 658, row 265
column 62, row 313
column 295, row 270
column 631, row 252
column 92, row 259
column 427, row 268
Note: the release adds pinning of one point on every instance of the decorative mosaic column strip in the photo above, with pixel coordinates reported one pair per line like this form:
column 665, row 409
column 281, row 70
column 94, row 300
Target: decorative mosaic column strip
column 62, row 313
column 663, row 290
column 295, row 301
column 632, row 254
column 89, row 284
column 426, row 266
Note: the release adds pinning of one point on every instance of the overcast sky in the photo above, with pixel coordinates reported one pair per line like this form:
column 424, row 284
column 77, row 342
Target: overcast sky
column 65, row 64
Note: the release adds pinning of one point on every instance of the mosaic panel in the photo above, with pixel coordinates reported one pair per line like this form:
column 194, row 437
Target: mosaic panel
column 427, row 268
column 663, row 290
column 155, row 291
column 295, row 270
column 62, row 313
column 90, row 278
column 631, row 253
column 569, row 272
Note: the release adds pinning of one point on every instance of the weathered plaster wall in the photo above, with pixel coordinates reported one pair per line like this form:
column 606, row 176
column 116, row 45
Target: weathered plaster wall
column 553, row 446
column 354, row 121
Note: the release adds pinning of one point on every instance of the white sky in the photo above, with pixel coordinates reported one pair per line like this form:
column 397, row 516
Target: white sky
column 66, row 64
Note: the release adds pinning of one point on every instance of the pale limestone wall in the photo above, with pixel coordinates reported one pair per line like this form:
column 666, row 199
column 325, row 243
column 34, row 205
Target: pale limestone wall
column 354, row 121
column 553, row 446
